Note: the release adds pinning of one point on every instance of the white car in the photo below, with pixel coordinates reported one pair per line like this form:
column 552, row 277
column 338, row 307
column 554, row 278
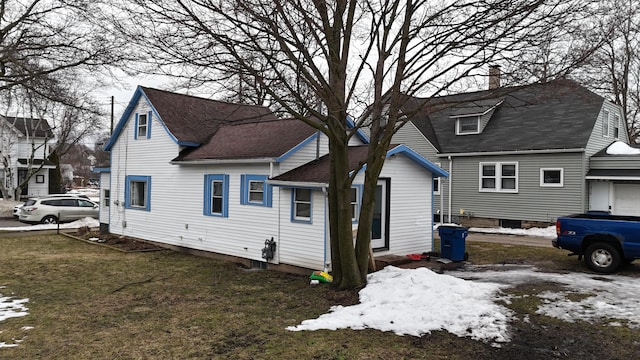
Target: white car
column 51, row 210
column 16, row 209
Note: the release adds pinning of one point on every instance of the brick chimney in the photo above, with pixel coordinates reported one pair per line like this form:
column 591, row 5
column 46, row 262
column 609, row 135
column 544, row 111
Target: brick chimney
column 494, row 77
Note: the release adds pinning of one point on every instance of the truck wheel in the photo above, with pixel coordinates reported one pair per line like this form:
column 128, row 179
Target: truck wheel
column 602, row 258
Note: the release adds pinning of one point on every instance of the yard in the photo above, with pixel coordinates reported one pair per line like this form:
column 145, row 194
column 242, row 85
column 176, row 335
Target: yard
column 88, row 301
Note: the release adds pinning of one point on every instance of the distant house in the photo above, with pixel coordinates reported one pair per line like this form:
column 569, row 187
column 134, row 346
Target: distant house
column 24, row 148
column 234, row 180
column 520, row 156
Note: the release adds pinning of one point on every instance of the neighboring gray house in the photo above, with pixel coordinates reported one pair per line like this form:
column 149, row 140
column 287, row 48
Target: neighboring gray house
column 517, row 156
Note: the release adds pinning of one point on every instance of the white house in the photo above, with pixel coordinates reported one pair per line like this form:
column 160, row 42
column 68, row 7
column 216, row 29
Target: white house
column 24, row 148
column 208, row 176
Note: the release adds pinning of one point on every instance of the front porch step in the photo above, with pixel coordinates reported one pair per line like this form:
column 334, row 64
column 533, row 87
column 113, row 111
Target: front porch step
column 395, row 260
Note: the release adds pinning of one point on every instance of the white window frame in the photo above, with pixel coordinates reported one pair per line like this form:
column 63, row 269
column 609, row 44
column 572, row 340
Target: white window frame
column 498, row 176
column 142, row 130
column 546, row 184
column 295, row 217
column 605, row 123
column 616, row 126
column 459, row 120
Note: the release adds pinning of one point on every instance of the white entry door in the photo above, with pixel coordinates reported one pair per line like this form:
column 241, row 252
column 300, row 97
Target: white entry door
column 380, row 225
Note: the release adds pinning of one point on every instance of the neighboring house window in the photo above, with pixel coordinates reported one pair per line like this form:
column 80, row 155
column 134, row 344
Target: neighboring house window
column 616, row 127
column 254, row 190
column 436, row 183
column 216, row 195
column 107, row 197
column 468, row 125
column 499, row 177
column 301, row 205
column 137, row 192
column 143, row 126
column 552, row 177
column 605, row 124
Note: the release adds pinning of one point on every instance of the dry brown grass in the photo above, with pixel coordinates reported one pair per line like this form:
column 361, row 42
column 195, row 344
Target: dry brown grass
column 90, row 302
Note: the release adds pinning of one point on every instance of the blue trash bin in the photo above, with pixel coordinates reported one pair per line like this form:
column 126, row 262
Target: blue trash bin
column 452, row 242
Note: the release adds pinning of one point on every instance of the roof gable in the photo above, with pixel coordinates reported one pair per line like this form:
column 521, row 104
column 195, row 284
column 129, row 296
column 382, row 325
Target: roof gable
column 190, row 120
column 555, row 115
column 29, row 126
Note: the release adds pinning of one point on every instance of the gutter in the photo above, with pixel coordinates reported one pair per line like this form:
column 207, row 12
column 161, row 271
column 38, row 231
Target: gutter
column 223, row 161
column 513, row 152
column 298, row 184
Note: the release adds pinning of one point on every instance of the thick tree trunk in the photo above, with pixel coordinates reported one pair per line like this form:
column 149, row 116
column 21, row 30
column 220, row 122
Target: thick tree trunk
column 344, row 264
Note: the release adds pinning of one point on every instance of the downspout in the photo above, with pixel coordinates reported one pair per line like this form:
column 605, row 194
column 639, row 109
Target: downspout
column 450, row 185
column 326, row 224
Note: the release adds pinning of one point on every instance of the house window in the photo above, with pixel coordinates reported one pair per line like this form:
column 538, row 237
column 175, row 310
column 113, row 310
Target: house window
column 106, row 195
column 499, row 177
column 216, row 195
column 605, row 124
column 143, row 125
column 39, row 179
column 436, row 183
column 468, row 125
column 137, row 192
column 301, row 205
column 616, row 127
column 552, row 177
column 254, row 190
column 355, row 196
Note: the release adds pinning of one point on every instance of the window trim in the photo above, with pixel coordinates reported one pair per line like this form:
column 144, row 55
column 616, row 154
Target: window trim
column 208, row 193
column 300, row 219
column 498, row 176
column 127, row 192
column 605, row 123
column 616, row 126
column 459, row 125
column 544, row 184
column 39, row 179
column 356, row 215
column 136, row 130
column 437, row 191
column 106, row 195
column 245, row 190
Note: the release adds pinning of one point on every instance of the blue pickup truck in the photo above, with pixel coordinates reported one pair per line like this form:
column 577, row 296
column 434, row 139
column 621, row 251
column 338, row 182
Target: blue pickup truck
column 606, row 241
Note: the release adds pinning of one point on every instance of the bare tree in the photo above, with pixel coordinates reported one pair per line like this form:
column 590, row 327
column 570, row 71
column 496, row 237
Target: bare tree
column 349, row 55
column 614, row 70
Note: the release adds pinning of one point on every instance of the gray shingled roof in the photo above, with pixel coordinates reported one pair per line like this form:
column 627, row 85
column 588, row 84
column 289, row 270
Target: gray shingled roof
column 554, row 115
column 194, row 119
column 30, row 126
column 264, row 139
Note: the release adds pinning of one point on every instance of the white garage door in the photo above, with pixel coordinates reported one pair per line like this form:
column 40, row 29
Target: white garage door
column 627, row 199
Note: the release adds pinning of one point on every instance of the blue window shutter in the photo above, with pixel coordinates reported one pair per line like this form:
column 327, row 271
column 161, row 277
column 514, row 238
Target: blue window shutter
column 149, row 125
column 207, row 195
column 127, row 200
column 135, row 128
column 244, row 189
column 148, row 205
column 267, row 194
column 225, row 191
